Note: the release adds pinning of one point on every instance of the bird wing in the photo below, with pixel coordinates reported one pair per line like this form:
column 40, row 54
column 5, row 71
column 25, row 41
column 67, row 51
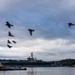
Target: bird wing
column 9, row 46
column 30, row 32
column 69, row 26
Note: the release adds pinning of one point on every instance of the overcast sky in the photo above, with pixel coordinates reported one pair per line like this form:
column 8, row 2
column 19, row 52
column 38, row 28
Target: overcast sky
column 52, row 39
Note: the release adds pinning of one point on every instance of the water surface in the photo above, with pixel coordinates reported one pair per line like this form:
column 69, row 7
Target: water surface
column 42, row 71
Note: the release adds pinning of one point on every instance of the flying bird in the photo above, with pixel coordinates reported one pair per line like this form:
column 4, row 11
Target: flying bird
column 70, row 24
column 8, row 24
column 30, row 31
column 14, row 42
column 9, row 42
column 9, row 46
column 9, row 34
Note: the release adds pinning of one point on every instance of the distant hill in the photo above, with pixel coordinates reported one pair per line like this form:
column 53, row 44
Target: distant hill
column 38, row 63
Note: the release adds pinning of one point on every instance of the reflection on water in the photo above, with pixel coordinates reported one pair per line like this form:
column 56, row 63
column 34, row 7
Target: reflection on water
column 2, row 73
column 42, row 71
column 32, row 71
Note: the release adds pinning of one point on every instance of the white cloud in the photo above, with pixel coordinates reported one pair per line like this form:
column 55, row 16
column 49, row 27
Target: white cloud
column 46, row 48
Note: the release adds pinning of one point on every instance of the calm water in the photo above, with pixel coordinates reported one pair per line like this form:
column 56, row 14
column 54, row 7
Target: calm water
column 42, row 71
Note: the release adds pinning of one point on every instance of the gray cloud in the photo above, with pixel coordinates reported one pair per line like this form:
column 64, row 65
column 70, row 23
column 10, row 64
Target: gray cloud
column 50, row 21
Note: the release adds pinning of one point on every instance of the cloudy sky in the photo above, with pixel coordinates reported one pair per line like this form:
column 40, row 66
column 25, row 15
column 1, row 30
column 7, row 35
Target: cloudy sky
column 52, row 39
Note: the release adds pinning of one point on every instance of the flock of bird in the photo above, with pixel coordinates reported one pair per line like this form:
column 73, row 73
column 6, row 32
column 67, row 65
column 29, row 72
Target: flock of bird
column 30, row 32
column 11, row 35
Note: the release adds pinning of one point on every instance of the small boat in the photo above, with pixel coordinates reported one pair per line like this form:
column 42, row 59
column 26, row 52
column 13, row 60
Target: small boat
column 4, row 68
column 7, row 69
